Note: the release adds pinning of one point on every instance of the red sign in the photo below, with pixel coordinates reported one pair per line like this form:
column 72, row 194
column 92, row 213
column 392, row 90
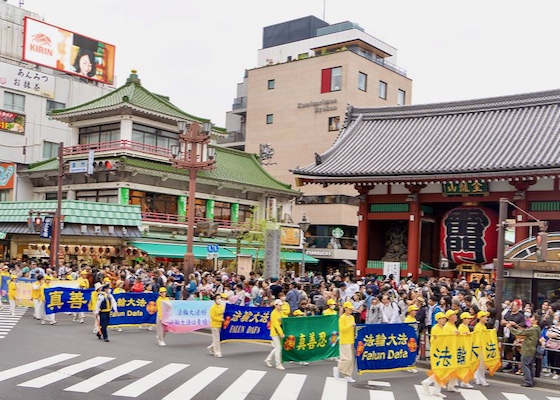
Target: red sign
column 7, row 172
column 12, row 122
column 469, row 235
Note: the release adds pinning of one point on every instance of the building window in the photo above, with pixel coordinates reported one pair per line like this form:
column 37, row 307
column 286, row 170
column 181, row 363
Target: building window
column 271, row 83
column 362, row 81
column 99, row 196
column 14, row 102
column 401, row 97
column 5, row 195
column 383, row 90
column 100, row 134
column 245, row 213
column 222, row 211
column 334, row 123
column 154, row 136
column 54, row 105
column 50, row 150
column 54, row 196
column 269, row 118
column 331, row 80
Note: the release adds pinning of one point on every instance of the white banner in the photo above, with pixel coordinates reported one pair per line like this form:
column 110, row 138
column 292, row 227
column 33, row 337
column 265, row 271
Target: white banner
column 26, row 80
column 392, row 268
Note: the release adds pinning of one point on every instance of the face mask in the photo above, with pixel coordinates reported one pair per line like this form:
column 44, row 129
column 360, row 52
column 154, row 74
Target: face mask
column 332, row 306
column 282, row 298
column 555, row 321
column 219, row 301
column 527, row 314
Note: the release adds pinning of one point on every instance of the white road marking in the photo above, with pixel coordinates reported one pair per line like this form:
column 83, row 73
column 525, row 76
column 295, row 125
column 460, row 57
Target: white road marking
column 335, row 389
column 239, row 389
column 379, row 383
column 515, row 396
column 45, row 362
column 290, row 387
column 149, row 381
column 473, row 394
column 106, row 376
column 381, row 395
column 190, row 388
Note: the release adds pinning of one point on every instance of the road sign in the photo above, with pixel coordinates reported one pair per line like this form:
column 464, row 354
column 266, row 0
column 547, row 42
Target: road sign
column 212, row 248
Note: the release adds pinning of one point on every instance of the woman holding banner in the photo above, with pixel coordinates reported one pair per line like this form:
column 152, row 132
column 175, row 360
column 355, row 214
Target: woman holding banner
column 276, row 333
column 480, row 374
column 160, row 333
column 12, row 292
column 216, row 320
column 346, row 325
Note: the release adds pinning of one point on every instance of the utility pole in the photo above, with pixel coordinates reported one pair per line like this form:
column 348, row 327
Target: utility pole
column 57, row 220
column 502, row 225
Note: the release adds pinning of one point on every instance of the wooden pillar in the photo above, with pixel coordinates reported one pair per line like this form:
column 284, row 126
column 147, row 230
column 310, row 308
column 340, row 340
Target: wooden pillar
column 414, row 230
column 363, row 231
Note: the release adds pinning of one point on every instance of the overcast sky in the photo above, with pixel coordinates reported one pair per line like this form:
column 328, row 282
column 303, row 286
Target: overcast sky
column 196, row 51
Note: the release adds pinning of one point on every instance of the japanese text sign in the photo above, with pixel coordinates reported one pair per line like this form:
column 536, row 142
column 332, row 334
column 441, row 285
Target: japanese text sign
column 12, row 122
column 134, row 309
column 27, row 80
column 310, row 338
column 182, row 316
column 246, row 323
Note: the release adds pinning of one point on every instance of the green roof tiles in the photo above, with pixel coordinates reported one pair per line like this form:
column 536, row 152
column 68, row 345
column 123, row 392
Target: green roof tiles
column 77, row 212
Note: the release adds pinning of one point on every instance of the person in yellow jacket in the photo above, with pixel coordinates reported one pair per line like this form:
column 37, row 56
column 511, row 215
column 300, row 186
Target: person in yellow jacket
column 46, row 318
column 346, row 326
column 451, row 328
column 12, row 292
column 331, row 308
column 83, row 283
column 285, row 305
column 36, row 297
column 437, row 329
column 216, row 320
column 411, row 319
column 480, row 374
column 276, row 334
column 464, row 329
column 160, row 333
column 93, row 304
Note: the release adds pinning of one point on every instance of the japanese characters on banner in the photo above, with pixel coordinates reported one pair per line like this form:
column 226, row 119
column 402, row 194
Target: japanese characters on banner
column 310, row 338
column 134, row 309
column 24, row 287
column 182, row 316
column 26, row 80
column 60, row 299
column 246, row 323
column 383, row 347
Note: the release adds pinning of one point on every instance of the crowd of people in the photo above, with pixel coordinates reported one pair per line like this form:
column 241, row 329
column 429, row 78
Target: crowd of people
column 371, row 299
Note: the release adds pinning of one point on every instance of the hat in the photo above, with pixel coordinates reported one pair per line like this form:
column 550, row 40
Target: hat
column 330, row 301
column 348, row 304
column 106, row 280
column 481, row 314
column 162, row 290
column 449, row 313
column 440, row 315
column 297, row 313
column 97, row 286
column 278, row 302
column 13, row 276
column 223, row 295
column 466, row 315
column 83, row 272
column 412, row 308
column 5, row 267
column 25, row 270
column 48, row 277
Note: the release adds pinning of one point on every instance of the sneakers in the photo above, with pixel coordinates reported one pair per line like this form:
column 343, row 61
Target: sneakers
column 210, row 349
column 81, row 321
column 280, row 367
column 349, row 379
column 150, row 328
column 413, row 371
column 42, row 322
column 453, row 389
column 555, row 376
column 54, row 322
column 466, row 385
column 218, row 355
column 336, row 374
column 304, row 363
column 426, row 387
column 162, row 344
column 439, row 394
column 119, row 329
column 485, row 384
column 268, row 363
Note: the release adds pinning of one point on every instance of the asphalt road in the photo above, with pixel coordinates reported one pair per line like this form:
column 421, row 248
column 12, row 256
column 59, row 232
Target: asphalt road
column 66, row 361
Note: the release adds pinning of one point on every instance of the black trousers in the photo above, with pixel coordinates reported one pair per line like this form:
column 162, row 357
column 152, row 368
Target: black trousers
column 104, row 317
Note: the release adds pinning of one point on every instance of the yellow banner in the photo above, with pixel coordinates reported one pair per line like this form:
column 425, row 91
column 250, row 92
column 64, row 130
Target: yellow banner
column 490, row 350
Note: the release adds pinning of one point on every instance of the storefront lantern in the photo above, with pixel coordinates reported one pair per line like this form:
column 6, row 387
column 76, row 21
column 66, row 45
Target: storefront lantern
column 469, row 235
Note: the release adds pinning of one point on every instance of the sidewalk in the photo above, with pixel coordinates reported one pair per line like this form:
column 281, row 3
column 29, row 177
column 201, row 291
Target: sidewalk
column 542, row 382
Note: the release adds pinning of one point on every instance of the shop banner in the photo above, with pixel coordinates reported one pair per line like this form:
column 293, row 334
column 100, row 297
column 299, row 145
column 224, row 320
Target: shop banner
column 26, row 80
column 61, row 299
column 183, row 316
column 246, row 324
column 385, row 347
column 134, row 309
column 310, row 338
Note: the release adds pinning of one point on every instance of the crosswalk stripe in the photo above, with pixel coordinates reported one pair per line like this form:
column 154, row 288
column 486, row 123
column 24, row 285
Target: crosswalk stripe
column 515, row 396
column 243, row 385
column 421, row 394
column 149, row 381
column 65, row 372
column 381, row 395
column 290, row 387
column 553, row 398
column 473, row 394
column 379, row 383
column 190, row 388
column 335, row 389
column 106, row 376
column 45, row 362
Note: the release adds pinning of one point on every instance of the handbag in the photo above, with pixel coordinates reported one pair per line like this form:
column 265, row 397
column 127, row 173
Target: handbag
column 553, row 344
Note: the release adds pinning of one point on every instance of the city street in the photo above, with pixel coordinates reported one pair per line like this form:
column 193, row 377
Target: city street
column 66, row 361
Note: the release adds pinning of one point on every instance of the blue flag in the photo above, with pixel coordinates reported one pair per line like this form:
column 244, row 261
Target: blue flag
column 246, row 323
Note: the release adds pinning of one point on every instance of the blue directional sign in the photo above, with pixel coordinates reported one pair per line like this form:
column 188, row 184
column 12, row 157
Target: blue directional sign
column 46, row 228
column 212, row 248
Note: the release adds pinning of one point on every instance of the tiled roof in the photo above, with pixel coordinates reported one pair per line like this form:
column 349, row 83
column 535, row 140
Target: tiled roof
column 494, row 135
column 131, row 95
column 77, row 212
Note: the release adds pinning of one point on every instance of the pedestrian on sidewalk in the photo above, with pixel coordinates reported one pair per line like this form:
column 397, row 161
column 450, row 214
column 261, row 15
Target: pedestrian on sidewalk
column 346, row 327
column 528, row 348
column 216, row 320
column 276, row 333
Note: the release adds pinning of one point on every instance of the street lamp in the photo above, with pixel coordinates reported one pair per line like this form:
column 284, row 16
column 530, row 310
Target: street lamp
column 192, row 154
column 304, row 226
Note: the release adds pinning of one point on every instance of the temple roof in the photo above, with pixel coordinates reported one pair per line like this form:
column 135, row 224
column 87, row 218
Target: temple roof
column 502, row 136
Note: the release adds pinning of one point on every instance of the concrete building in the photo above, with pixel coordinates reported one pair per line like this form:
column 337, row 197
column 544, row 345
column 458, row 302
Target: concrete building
column 293, row 105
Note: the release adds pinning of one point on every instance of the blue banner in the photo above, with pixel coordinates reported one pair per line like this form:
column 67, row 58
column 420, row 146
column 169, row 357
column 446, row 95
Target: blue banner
column 46, row 227
column 134, row 309
column 61, row 299
column 246, row 323
column 385, row 347
column 4, row 285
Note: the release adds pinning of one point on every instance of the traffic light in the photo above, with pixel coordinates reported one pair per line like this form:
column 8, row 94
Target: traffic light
column 542, row 246
column 34, row 223
column 106, row 165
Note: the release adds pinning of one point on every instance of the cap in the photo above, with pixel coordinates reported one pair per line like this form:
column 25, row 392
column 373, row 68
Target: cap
column 439, row 316
column 223, row 296
column 466, row 315
column 449, row 313
column 412, row 308
column 297, row 313
column 25, row 270
column 278, row 302
column 106, row 280
column 481, row 314
column 13, row 277
column 97, row 286
column 48, row 277
column 330, row 301
column 162, row 290
column 348, row 304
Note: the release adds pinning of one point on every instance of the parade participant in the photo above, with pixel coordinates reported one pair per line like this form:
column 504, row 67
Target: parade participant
column 479, row 375
column 346, row 325
column 411, row 319
column 160, row 332
column 299, row 313
column 105, row 304
column 528, row 348
column 437, row 329
column 464, row 329
column 216, row 319
column 331, row 308
column 276, row 333
column 83, row 283
column 285, row 305
column 36, row 297
column 451, row 328
column 50, row 318
column 12, row 292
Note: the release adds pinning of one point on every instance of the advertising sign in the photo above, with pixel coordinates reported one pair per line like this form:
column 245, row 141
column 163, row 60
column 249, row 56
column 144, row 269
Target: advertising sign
column 290, row 236
column 66, row 51
column 46, row 228
column 12, row 122
column 26, row 80
column 7, row 172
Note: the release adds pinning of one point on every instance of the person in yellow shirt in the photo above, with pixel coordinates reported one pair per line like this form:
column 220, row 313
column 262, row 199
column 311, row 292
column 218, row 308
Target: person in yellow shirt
column 12, row 292
column 411, row 319
column 92, row 305
column 36, row 297
column 346, row 326
column 276, row 334
column 216, row 320
column 331, row 308
column 4, row 271
column 437, row 329
column 160, row 333
column 83, row 284
column 46, row 318
column 464, row 329
column 285, row 305
column 480, row 374
column 451, row 328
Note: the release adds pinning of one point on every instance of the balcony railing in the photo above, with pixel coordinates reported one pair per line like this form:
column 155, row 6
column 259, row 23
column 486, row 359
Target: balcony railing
column 161, row 218
column 240, row 102
column 118, row 145
column 232, row 137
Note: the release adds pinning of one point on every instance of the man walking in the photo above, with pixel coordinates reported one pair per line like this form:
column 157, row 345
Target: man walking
column 105, row 304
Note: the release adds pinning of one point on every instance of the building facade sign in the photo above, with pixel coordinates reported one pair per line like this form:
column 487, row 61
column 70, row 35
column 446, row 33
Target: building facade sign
column 12, row 122
column 26, row 80
column 546, row 275
column 464, row 188
column 290, row 236
column 320, row 105
column 7, row 172
column 319, row 253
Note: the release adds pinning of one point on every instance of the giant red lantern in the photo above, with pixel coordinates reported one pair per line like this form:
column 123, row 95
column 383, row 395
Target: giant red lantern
column 469, row 235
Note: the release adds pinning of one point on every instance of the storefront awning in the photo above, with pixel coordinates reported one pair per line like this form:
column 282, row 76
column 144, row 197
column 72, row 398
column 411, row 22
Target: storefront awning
column 174, row 250
column 286, row 256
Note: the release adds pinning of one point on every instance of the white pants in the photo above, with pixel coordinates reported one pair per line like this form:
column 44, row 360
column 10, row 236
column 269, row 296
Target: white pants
column 12, row 306
column 276, row 352
column 216, row 345
column 159, row 330
column 36, row 311
column 431, row 379
column 480, row 374
column 80, row 315
column 41, row 310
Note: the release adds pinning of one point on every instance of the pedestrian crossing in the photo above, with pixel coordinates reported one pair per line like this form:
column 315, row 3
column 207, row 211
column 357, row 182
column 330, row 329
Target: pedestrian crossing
column 8, row 321
column 195, row 384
